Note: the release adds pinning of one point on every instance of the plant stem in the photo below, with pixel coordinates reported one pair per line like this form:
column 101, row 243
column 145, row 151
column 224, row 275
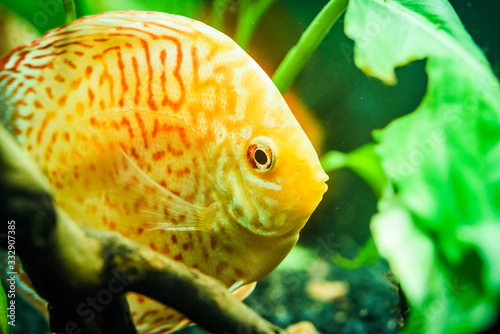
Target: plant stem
column 69, row 10
column 298, row 56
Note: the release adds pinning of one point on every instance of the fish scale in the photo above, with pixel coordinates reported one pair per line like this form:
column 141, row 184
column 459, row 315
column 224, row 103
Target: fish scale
column 147, row 124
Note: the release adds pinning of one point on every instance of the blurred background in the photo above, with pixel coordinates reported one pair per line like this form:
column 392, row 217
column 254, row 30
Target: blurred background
column 339, row 107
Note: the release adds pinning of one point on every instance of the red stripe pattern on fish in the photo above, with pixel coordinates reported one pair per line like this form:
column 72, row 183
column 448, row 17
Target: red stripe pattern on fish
column 163, row 129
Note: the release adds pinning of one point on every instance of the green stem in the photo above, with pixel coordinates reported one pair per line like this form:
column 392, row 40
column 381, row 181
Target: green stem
column 298, row 56
column 69, row 10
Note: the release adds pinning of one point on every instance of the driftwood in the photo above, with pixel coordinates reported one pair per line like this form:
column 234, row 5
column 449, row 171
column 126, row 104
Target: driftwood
column 69, row 264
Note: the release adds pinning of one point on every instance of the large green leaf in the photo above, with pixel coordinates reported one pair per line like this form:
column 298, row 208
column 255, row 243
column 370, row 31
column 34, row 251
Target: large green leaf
column 4, row 327
column 42, row 14
column 440, row 229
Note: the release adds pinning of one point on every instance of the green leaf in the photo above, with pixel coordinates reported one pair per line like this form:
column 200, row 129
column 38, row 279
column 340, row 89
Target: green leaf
column 299, row 259
column 440, row 230
column 4, row 326
column 42, row 14
column 367, row 255
column 363, row 161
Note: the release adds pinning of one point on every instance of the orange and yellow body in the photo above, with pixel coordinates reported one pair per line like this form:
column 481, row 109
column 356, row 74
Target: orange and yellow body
column 163, row 129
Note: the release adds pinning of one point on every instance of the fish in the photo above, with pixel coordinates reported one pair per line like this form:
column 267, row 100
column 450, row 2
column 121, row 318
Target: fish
column 164, row 130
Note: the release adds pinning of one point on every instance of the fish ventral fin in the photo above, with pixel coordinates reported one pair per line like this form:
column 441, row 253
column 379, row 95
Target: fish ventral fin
column 194, row 217
column 241, row 291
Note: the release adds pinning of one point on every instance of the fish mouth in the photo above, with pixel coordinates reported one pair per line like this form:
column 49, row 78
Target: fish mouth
column 323, row 187
column 323, row 178
column 322, row 182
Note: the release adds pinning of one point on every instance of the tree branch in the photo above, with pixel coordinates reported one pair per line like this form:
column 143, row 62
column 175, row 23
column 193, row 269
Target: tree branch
column 69, row 264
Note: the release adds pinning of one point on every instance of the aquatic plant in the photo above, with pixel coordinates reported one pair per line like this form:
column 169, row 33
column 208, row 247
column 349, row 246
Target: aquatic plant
column 438, row 222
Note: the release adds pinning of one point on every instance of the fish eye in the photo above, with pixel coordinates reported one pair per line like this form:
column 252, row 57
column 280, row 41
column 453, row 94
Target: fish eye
column 261, row 154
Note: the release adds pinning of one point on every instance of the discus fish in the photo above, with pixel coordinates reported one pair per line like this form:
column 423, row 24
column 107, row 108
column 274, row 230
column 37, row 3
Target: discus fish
column 163, row 129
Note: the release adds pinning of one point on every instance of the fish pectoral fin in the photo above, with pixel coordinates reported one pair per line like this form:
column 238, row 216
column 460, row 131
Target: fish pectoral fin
column 244, row 291
column 159, row 208
column 93, row 160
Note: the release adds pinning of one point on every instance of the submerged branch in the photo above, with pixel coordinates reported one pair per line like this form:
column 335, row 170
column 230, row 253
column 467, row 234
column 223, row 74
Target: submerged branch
column 69, row 264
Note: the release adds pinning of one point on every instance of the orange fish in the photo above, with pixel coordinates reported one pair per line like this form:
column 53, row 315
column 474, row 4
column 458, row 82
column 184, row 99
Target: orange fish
column 163, row 129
